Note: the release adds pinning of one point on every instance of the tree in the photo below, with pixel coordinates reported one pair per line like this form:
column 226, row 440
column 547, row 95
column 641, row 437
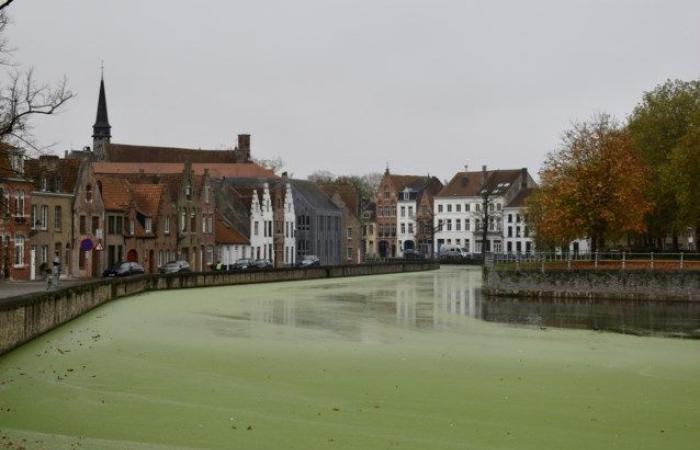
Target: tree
column 322, row 176
column 657, row 126
column 683, row 177
column 22, row 97
column 594, row 186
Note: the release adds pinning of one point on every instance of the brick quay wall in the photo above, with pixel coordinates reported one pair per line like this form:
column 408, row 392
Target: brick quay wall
column 25, row 317
column 676, row 285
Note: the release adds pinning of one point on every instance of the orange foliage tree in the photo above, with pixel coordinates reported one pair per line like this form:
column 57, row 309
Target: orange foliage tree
column 593, row 186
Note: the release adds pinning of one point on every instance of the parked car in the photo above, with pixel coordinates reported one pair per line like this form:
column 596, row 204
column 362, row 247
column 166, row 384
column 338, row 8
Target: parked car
column 452, row 252
column 309, row 261
column 242, row 264
column 175, row 267
column 262, row 264
column 124, row 269
column 413, row 254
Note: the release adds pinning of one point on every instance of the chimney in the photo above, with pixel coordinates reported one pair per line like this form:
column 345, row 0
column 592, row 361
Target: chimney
column 244, row 147
column 523, row 178
column 483, row 176
column 466, row 167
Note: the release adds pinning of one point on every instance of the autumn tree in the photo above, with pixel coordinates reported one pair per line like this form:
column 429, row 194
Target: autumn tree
column 658, row 126
column 593, row 186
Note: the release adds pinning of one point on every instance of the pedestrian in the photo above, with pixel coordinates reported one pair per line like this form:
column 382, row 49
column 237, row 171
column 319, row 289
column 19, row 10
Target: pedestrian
column 56, row 269
column 219, row 266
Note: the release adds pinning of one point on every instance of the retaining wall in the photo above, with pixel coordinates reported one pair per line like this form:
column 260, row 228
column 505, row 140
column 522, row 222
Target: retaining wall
column 25, row 317
column 611, row 284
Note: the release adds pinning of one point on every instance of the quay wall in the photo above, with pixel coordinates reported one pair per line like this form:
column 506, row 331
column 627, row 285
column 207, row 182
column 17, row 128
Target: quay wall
column 25, row 317
column 678, row 285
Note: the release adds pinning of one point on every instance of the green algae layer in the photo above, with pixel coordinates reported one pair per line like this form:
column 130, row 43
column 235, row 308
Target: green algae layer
column 384, row 362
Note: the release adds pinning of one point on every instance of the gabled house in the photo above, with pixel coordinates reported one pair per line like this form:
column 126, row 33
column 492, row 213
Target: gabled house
column 15, row 221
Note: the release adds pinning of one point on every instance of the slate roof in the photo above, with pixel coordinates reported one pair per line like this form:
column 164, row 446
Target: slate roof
column 347, row 192
column 141, row 153
column 216, row 170
column 313, row 194
column 469, row 184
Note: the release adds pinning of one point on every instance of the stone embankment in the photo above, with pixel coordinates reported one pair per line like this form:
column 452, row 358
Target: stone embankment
column 25, row 317
column 675, row 285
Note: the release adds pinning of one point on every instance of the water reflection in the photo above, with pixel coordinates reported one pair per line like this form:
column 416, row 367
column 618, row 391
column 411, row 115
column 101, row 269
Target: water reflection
column 361, row 309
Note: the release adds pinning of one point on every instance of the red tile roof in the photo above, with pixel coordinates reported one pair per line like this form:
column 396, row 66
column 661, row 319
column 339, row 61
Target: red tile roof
column 148, row 197
column 116, row 192
column 225, row 233
column 65, row 169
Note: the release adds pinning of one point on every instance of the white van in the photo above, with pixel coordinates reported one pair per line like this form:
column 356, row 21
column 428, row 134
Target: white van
column 452, row 251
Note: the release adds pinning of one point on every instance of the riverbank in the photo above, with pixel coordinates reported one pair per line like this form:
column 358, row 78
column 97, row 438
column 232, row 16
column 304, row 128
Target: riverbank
column 25, row 317
column 676, row 285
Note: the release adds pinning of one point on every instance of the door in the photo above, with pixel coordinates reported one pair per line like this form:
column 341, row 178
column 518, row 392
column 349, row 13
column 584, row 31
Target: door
column 132, row 256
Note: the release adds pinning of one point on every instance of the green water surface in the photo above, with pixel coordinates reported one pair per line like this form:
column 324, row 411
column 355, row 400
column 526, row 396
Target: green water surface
column 396, row 361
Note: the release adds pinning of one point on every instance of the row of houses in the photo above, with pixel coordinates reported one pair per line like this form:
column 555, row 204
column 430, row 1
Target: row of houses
column 413, row 212
column 114, row 202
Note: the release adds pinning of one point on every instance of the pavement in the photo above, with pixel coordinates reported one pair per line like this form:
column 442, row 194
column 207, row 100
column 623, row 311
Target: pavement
column 14, row 288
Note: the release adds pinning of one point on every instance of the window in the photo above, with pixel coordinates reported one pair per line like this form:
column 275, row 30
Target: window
column 449, row 224
column 256, row 230
column 466, row 207
column 193, row 222
column 410, row 228
column 57, row 217
column 403, row 228
column 44, row 217
column 81, row 259
column 131, row 227
column 410, row 211
column 517, row 218
column 386, row 194
column 82, row 224
column 88, row 193
column 204, row 224
column 148, row 225
column 449, row 208
column 510, row 218
column 517, row 231
column 19, row 251
column 120, row 224
column 20, row 204
column 44, row 255
column 526, row 231
column 166, row 225
column 510, row 231
column 439, row 208
column 188, row 189
column 498, row 206
column 466, row 225
column 183, row 221
column 458, row 208
column 440, row 225
column 44, row 184
column 95, row 224
column 349, row 250
column 458, row 224
column 349, row 235
column 34, row 218
column 477, row 207
column 206, row 194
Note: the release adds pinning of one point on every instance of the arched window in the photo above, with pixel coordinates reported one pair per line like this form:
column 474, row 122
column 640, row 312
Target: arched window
column 88, row 193
column 99, row 186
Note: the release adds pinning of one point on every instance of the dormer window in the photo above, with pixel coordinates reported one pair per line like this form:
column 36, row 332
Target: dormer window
column 44, row 184
column 188, row 189
column 17, row 163
column 148, row 225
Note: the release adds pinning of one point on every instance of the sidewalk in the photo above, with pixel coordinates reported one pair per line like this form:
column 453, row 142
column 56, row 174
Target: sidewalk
column 14, row 288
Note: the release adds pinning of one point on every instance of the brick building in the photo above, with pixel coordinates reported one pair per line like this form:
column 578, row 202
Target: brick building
column 15, row 222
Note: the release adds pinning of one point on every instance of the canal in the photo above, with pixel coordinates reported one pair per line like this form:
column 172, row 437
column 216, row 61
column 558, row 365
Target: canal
column 409, row 361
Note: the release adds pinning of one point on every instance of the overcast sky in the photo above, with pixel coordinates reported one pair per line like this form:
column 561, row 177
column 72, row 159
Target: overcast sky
column 351, row 85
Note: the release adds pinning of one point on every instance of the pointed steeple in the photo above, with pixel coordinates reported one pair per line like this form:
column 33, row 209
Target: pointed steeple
column 101, row 128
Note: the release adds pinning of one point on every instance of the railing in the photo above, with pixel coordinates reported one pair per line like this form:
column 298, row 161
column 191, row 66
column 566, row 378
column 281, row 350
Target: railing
column 544, row 261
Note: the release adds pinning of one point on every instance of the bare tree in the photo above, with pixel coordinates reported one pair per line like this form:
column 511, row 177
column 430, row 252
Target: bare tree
column 22, row 97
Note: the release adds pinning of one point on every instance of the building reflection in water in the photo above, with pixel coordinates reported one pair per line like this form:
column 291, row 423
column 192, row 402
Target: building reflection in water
column 444, row 299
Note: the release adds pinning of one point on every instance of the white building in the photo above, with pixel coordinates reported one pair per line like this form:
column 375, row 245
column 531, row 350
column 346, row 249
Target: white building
column 406, row 207
column 459, row 211
column 290, row 250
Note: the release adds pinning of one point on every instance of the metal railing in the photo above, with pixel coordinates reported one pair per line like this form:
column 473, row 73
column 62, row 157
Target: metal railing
column 609, row 260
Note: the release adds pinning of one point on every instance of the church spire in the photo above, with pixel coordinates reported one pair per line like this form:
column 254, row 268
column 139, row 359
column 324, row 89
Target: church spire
column 101, row 130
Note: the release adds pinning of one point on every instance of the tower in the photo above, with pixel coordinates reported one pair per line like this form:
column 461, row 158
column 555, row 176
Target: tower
column 101, row 130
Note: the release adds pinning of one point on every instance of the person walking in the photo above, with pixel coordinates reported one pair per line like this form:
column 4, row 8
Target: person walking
column 56, row 269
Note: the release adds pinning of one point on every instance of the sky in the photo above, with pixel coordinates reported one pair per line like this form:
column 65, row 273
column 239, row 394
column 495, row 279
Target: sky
column 349, row 86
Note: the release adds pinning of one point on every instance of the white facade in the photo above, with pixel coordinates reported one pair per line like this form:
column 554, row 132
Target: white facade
column 517, row 235
column 290, row 246
column 458, row 222
column 261, row 223
column 230, row 253
column 406, row 209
